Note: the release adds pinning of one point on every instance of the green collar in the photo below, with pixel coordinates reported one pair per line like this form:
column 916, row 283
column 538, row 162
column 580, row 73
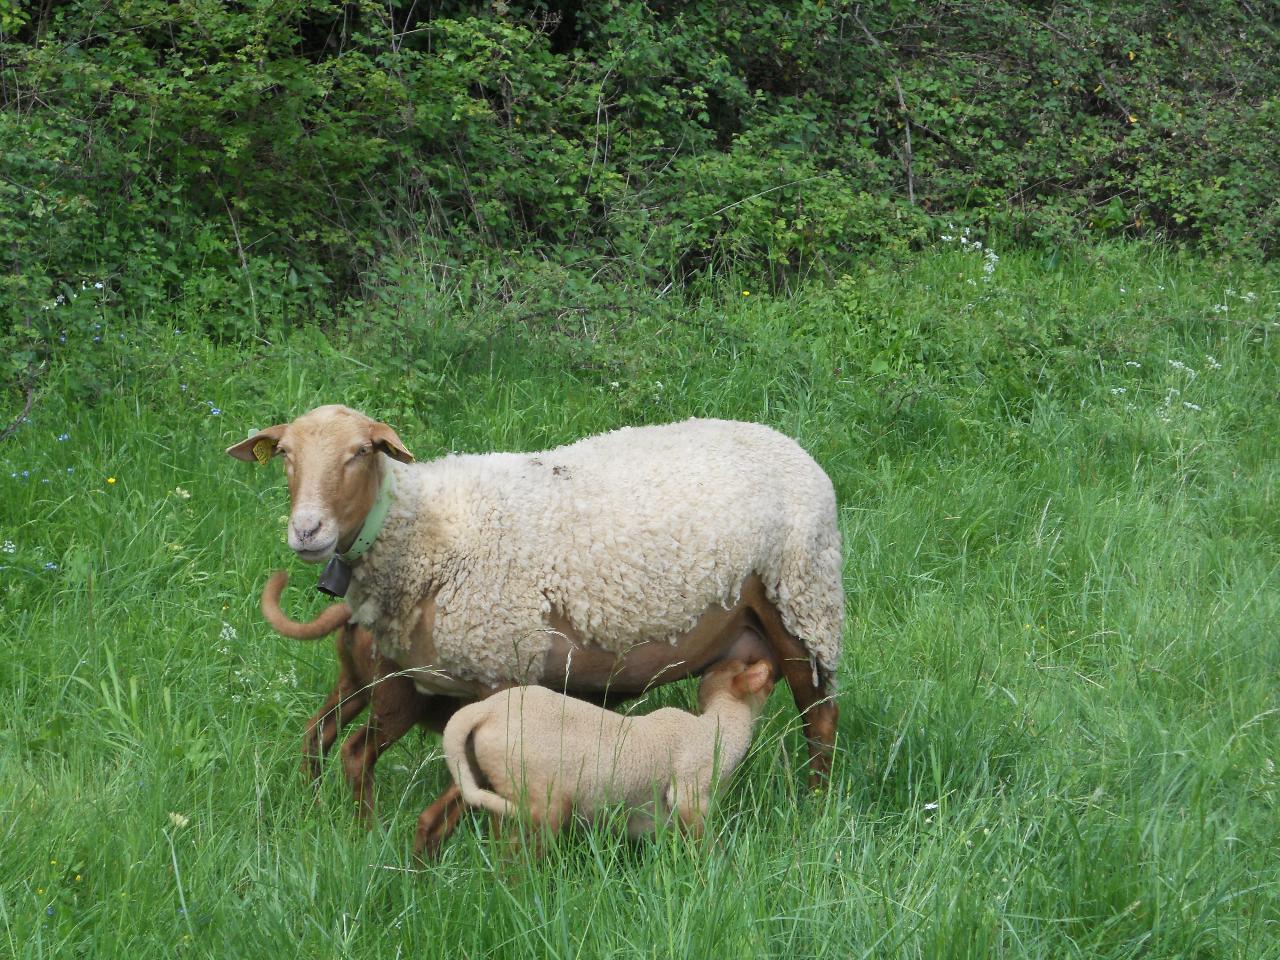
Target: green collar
column 374, row 520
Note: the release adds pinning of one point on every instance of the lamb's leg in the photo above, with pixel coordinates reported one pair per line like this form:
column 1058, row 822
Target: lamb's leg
column 544, row 823
column 397, row 709
column 817, row 707
column 437, row 823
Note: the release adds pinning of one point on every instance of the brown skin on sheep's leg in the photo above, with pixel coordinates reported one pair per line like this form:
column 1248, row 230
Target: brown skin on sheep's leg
column 817, row 708
column 436, row 823
column 398, row 707
column 345, row 702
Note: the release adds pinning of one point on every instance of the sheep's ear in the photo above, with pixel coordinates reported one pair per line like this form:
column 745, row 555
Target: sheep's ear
column 385, row 439
column 260, row 447
column 756, row 677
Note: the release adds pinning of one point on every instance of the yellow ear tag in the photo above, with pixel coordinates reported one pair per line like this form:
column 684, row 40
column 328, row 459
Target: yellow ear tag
column 263, row 449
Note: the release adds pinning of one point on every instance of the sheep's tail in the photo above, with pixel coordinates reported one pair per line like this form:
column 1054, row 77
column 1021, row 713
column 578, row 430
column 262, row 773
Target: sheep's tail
column 330, row 619
column 459, row 752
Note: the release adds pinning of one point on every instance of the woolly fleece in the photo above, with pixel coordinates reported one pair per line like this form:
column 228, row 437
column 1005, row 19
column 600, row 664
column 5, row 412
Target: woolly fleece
column 630, row 535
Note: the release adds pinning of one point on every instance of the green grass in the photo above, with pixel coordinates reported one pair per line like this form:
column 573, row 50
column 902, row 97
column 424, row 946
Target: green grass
column 1059, row 688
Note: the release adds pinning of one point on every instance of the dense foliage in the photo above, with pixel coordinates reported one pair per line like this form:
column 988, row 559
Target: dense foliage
column 272, row 156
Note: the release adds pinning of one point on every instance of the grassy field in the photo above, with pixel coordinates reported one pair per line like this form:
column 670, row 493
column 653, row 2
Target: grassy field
column 1060, row 712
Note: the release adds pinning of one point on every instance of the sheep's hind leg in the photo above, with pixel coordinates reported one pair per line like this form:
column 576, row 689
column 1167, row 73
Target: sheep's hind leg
column 437, row 823
column 817, row 707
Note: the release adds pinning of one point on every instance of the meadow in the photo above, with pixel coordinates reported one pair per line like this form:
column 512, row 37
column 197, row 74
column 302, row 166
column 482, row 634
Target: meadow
column 1057, row 476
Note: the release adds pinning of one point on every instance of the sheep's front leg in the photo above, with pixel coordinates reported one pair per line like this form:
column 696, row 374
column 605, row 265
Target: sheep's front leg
column 342, row 706
column 397, row 709
column 345, row 702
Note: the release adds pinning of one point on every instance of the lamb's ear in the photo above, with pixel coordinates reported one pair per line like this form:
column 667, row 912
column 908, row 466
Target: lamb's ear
column 260, row 447
column 756, row 677
column 385, row 439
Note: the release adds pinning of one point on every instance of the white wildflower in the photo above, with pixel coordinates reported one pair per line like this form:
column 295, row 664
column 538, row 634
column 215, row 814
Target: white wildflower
column 1183, row 368
column 1212, row 364
column 1190, row 406
column 1132, row 363
column 1220, row 308
column 1249, row 297
column 9, row 547
column 178, row 820
column 182, row 492
column 228, row 633
column 931, row 806
column 1118, row 391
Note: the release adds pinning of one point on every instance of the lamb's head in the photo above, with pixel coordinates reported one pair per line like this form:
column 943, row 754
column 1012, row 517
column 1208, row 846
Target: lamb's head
column 332, row 472
column 748, row 683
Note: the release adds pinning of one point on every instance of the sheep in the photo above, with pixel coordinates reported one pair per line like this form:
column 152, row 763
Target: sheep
column 549, row 756
column 364, row 678
column 601, row 568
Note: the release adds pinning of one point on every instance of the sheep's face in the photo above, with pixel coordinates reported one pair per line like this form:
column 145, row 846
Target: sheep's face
column 750, row 683
column 332, row 472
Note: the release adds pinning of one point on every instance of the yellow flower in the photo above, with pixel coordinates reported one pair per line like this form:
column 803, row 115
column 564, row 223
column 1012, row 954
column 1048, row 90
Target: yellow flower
column 1131, row 55
column 1132, row 118
column 746, row 293
column 111, row 481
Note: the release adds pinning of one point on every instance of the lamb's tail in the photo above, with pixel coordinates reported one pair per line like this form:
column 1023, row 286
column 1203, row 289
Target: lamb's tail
column 459, row 752
column 329, row 620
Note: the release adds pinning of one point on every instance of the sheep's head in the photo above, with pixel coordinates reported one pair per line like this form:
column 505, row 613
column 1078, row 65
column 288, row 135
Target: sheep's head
column 332, row 472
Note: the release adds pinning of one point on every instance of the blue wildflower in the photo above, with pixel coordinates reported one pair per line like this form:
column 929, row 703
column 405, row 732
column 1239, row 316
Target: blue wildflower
column 214, row 411
column 48, row 911
column 51, row 565
column 97, row 339
column 63, row 436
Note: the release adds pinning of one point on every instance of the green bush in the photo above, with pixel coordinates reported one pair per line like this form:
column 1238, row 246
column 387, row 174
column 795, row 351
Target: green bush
column 261, row 157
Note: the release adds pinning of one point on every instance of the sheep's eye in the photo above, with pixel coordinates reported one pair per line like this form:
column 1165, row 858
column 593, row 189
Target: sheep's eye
column 362, row 451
